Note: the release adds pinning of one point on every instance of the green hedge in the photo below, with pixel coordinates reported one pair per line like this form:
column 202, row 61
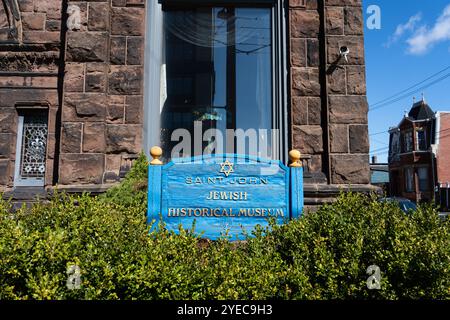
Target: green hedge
column 323, row 255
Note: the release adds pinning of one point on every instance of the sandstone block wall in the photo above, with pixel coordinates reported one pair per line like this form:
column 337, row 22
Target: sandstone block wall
column 29, row 70
column 328, row 96
column 101, row 131
column 91, row 81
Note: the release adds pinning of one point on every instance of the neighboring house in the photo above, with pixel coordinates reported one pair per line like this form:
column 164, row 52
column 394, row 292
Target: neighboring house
column 442, row 149
column 418, row 153
column 379, row 174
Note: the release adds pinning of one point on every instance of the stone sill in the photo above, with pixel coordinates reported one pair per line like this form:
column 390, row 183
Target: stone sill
column 94, row 189
column 315, row 194
column 337, row 188
column 318, row 194
column 31, row 193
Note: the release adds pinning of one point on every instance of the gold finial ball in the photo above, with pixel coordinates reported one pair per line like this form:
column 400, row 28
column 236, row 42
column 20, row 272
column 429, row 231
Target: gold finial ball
column 156, row 153
column 295, row 156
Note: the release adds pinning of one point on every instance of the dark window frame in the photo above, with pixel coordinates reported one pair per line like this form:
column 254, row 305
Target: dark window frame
column 280, row 66
column 409, row 172
column 190, row 3
column 421, row 144
column 424, row 184
column 25, row 112
column 407, row 136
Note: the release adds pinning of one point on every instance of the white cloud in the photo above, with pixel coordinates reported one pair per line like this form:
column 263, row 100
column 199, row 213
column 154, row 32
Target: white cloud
column 403, row 28
column 425, row 38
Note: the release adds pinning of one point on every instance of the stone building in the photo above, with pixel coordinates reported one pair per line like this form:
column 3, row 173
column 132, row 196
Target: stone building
column 85, row 86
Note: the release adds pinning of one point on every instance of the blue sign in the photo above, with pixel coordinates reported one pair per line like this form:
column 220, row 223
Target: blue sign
column 223, row 193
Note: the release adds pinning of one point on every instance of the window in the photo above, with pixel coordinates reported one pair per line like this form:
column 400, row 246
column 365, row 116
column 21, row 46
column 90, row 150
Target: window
column 407, row 141
column 395, row 143
column 31, row 148
column 422, row 174
column 421, row 141
column 409, row 180
column 220, row 72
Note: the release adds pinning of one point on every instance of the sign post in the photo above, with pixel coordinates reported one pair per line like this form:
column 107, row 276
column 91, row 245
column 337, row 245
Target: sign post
column 296, row 188
column 226, row 193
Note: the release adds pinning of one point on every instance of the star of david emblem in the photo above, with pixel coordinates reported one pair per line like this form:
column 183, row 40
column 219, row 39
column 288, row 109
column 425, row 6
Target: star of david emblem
column 226, row 168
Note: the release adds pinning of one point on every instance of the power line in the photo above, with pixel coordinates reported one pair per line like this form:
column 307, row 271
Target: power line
column 408, row 94
column 378, row 133
column 443, row 137
column 263, row 46
column 413, row 86
column 387, row 131
column 379, row 141
column 440, row 131
column 380, row 149
column 380, row 153
column 385, row 150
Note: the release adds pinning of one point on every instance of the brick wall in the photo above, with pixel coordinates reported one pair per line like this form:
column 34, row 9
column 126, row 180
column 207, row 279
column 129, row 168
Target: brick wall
column 103, row 103
column 443, row 156
column 329, row 104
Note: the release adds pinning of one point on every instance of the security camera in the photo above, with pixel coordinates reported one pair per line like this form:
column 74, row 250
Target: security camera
column 344, row 52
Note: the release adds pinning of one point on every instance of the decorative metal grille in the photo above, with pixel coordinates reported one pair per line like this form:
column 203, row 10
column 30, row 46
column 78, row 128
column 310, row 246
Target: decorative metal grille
column 34, row 147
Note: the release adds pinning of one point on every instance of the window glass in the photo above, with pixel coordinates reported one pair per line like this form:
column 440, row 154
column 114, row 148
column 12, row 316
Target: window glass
column 409, row 180
column 395, row 143
column 31, row 148
column 408, row 205
column 422, row 174
column 218, row 74
column 407, row 141
column 421, row 140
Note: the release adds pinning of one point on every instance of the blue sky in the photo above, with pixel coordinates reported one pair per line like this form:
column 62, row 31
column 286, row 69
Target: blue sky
column 412, row 44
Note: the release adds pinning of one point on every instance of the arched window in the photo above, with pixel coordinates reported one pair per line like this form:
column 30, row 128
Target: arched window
column 9, row 20
column 4, row 23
